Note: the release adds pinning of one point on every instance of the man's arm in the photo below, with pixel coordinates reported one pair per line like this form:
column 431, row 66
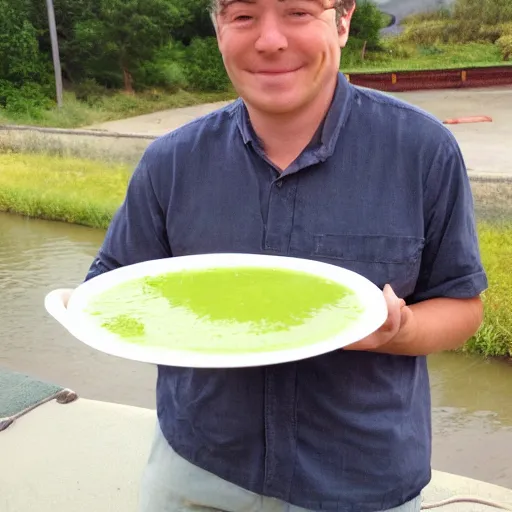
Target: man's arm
column 430, row 326
column 445, row 309
column 138, row 232
column 436, row 325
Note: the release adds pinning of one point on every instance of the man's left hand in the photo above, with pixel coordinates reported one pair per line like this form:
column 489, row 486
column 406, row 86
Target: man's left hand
column 399, row 317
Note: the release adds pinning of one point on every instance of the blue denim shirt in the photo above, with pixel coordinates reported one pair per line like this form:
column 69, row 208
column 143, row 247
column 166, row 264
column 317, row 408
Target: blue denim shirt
column 382, row 191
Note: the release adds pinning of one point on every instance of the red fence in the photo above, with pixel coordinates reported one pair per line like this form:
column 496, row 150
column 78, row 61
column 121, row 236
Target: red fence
column 400, row 81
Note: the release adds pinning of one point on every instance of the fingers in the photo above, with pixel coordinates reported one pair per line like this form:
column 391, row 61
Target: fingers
column 395, row 305
column 66, row 294
column 399, row 314
column 392, row 299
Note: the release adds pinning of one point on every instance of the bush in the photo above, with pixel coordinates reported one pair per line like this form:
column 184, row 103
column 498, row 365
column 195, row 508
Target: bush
column 485, row 12
column 470, row 21
column 30, row 99
column 166, row 70
column 490, row 33
column 505, row 45
column 351, row 55
column 441, row 14
column 397, row 48
column 205, row 68
column 168, row 75
column 89, row 91
column 429, row 32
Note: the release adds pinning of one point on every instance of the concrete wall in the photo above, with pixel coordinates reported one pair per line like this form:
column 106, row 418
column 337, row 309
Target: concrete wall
column 77, row 143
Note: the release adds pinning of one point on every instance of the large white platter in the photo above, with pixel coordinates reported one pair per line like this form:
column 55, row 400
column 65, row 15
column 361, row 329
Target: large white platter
column 78, row 322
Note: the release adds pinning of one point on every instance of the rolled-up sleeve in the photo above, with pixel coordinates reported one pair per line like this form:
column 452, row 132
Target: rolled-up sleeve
column 451, row 265
column 137, row 232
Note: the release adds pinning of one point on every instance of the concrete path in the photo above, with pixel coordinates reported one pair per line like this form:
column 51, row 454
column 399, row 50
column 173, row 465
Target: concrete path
column 89, row 456
column 158, row 123
column 487, row 147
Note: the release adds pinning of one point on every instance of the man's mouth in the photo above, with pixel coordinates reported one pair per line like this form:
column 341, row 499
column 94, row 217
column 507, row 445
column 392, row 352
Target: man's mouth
column 274, row 71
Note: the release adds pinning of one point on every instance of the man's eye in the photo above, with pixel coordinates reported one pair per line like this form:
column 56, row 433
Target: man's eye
column 299, row 14
column 243, row 18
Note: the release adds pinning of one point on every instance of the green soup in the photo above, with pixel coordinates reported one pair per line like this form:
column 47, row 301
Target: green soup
column 227, row 310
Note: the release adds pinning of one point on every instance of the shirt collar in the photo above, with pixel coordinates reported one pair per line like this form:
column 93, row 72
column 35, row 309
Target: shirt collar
column 324, row 141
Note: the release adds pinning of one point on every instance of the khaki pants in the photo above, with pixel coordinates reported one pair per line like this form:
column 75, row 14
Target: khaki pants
column 172, row 484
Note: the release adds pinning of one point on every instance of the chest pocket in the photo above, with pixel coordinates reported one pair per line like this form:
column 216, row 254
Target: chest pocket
column 382, row 259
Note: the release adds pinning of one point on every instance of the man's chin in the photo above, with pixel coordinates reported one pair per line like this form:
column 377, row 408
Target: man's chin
column 274, row 104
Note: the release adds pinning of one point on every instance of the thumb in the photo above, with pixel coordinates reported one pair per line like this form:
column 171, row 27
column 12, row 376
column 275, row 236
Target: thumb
column 391, row 297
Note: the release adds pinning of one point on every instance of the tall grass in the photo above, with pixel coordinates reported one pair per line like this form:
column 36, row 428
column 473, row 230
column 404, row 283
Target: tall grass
column 495, row 336
column 399, row 55
column 84, row 192
column 488, row 12
column 63, row 189
column 477, row 21
column 109, row 107
column 452, row 31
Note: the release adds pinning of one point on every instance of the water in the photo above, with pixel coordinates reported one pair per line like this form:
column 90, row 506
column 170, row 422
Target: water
column 472, row 417
column 472, row 410
column 36, row 257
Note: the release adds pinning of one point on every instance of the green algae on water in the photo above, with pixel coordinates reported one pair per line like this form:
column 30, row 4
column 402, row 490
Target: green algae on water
column 125, row 326
column 227, row 310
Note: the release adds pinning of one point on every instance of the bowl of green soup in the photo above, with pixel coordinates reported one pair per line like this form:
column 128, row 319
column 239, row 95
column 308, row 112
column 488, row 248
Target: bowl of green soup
column 221, row 310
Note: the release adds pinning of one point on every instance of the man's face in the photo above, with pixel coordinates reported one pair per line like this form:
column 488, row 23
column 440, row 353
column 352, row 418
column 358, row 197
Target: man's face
column 279, row 54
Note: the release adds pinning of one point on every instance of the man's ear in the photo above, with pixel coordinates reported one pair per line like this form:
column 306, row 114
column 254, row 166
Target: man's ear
column 213, row 18
column 344, row 27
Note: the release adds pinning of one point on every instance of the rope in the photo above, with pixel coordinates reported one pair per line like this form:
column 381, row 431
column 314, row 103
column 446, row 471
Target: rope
column 465, row 499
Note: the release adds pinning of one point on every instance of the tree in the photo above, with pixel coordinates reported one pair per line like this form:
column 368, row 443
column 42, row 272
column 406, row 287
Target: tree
column 68, row 13
column 20, row 60
column 366, row 24
column 199, row 24
column 128, row 32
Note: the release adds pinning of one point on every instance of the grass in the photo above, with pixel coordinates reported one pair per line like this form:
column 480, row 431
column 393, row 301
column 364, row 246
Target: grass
column 495, row 336
column 64, row 189
column 88, row 193
column 411, row 57
column 111, row 107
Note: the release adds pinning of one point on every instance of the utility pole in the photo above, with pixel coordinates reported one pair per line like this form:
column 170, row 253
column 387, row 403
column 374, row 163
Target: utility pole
column 55, row 51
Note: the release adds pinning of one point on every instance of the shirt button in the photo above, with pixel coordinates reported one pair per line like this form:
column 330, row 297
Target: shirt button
column 279, row 184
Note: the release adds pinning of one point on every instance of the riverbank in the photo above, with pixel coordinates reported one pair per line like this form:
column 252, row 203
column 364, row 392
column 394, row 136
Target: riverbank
column 88, row 193
column 71, row 190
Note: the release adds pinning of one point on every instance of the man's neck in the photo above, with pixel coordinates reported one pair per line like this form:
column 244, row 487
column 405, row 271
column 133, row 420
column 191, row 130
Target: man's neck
column 285, row 136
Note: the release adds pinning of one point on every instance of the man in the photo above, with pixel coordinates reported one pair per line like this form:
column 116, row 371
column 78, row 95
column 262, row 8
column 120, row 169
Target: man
column 306, row 165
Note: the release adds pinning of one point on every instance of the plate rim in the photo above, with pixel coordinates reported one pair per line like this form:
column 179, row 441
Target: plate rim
column 369, row 294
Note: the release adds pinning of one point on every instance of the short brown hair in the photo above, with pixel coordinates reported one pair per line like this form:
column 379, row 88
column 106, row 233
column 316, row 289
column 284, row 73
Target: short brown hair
column 342, row 6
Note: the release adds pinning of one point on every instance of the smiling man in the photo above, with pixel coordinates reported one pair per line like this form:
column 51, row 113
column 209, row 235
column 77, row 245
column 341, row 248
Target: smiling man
column 306, row 165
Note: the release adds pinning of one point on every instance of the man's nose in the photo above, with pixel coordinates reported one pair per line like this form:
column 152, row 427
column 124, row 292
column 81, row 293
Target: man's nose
column 271, row 36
